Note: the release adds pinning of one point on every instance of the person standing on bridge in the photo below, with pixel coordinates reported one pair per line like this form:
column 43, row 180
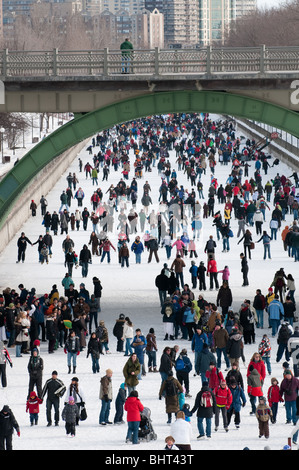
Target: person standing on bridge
column 126, row 48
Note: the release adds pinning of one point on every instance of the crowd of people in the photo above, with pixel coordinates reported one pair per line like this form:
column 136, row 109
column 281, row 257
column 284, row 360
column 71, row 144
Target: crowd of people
column 216, row 331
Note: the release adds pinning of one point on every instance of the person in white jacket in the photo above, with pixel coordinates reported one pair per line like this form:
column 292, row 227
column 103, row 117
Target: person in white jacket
column 128, row 335
column 258, row 219
column 181, row 432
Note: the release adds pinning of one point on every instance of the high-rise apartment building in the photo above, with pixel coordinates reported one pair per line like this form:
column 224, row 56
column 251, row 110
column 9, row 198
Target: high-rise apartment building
column 181, row 20
column 130, row 6
column 148, row 29
column 245, row 7
column 215, row 18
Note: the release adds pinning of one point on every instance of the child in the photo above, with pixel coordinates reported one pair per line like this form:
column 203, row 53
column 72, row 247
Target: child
column 119, row 404
column 274, row 398
column 187, row 412
column 70, row 414
column 32, row 406
column 263, row 414
column 193, row 271
column 225, row 274
column 265, row 352
column 170, row 443
column 192, row 249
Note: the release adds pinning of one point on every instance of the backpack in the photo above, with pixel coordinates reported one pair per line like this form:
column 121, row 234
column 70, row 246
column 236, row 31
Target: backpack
column 180, row 365
column 99, row 332
column 284, row 334
column 210, row 245
column 170, row 388
column 206, row 399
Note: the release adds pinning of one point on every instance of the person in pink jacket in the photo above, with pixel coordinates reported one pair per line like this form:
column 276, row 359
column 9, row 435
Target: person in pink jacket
column 179, row 246
column 133, row 407
column 225, row 273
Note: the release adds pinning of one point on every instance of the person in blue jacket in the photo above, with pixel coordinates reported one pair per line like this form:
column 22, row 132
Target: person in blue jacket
column 119, row 404
column 138, row 344
column 183, row 367
column 239, row 400
column 276, row 313
column 193, row 271
column 137, row 248
column 198, row 340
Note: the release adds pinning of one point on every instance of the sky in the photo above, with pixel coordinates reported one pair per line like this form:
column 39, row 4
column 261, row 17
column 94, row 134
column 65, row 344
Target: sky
column 269, row 3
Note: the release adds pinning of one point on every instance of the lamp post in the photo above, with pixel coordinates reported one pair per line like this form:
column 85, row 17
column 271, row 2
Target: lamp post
column 13, row 125
column 2, row 130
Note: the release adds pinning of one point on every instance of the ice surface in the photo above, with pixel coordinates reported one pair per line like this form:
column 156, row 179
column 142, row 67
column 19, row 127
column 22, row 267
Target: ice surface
column 132, row 291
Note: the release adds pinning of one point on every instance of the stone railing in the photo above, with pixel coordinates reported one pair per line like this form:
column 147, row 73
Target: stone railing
column 149, row 63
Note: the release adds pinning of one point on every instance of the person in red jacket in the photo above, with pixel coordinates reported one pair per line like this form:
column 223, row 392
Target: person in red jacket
column 212, row 272
column 133, row 407
column 214, row 376
column 32, row 406
column 224, row 400
column 259, row 365
column 106, row 244
column 274, row 398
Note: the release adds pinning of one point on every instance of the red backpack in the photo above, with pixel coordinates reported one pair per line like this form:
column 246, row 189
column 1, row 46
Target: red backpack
column 206, row 400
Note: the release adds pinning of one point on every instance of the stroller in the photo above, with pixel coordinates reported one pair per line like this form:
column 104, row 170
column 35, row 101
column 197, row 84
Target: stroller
column 146, row 431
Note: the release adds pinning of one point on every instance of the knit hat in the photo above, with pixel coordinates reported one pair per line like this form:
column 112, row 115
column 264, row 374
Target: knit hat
column 71, row 400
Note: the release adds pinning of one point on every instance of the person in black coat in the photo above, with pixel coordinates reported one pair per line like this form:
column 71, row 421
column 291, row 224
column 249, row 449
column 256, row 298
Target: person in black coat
column 244, row 269
column 35, row 369
column 162, row 283
column 84, row 260
column 118, row 332
column 8, row 423
column 234, row 346
column 94, row 348
column 97, row 290
column 165, row 363
column 55, row 222
column 22, row 245
column 204, row 412
column 54, row 388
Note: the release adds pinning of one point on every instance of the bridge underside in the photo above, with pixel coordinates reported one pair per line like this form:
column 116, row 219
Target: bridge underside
column 86, row 94
column 89, row 124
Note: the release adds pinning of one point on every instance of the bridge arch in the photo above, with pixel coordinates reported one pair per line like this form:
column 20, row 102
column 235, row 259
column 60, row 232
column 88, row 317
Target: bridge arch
column 87, row 125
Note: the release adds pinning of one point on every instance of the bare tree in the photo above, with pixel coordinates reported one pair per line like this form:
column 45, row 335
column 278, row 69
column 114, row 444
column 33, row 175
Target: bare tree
column 272, row 27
